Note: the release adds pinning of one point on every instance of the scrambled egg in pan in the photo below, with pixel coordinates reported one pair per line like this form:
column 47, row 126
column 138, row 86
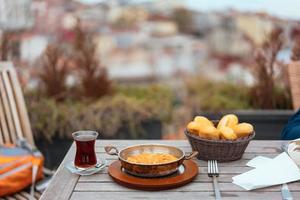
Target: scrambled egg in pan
column 151, row 158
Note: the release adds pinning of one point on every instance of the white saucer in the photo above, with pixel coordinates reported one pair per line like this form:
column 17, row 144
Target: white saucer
column 101, row 164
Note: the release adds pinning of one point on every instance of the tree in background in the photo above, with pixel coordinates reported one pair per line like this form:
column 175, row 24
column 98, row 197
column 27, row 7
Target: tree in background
column 296, row 50
column 54, row 72
column 184, row 19
column 94, row 80
column 4, row 46
column 264, row 93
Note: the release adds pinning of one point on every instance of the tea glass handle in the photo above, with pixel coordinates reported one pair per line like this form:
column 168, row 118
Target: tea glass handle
column 109, row 150
column 191, row 155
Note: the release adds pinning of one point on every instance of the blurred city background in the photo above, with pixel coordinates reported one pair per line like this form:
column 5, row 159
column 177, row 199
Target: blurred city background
column 141, row 69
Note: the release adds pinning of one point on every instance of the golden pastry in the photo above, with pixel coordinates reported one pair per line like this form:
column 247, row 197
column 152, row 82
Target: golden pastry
column 193, row 127
column 243, row 129
column 209, row 132
column 227, row 133
column 203, row 121
column 229, row 120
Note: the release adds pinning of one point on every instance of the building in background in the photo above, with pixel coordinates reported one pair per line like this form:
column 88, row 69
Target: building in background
column 141, row 40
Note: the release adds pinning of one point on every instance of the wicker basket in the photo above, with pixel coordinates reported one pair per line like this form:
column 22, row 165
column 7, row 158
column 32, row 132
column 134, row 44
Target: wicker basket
column 220, row 150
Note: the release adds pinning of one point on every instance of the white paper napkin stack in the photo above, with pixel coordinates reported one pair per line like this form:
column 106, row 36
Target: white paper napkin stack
column 268, row 172
column 294, row 151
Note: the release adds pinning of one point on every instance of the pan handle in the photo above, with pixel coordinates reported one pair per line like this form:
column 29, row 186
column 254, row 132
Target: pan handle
column 191, row 155
column 111, row 150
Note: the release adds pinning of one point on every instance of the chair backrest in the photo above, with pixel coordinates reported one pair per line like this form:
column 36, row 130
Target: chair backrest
column 14, row 121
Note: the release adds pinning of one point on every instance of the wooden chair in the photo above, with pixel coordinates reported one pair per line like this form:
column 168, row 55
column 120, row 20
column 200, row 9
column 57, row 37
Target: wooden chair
column 14, row 121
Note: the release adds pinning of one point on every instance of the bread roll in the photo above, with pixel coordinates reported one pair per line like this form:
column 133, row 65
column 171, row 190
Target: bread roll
column 229, row 120
column 203, row 121
column 228, row 133
column 193, row 127
column 209, row 132
column 243, row 129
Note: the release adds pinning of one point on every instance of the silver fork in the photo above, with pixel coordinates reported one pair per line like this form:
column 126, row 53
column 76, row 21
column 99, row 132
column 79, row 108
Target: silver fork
column 213, row 172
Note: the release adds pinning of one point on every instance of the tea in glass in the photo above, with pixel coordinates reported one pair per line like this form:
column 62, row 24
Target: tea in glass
column 85, row 149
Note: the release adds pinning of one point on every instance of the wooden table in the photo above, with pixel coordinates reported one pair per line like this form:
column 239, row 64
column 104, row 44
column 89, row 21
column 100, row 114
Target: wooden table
column 100, row 186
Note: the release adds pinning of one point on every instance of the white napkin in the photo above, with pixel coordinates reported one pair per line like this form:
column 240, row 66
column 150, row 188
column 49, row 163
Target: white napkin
column 294, row 150
column 268, row 172
column 258, row 161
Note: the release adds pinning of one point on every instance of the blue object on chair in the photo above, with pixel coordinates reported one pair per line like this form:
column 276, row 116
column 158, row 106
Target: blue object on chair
column 291, row 130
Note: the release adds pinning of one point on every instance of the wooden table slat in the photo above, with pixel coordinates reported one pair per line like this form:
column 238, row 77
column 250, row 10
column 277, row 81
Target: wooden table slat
column 195, row 186
column 202, row 177
column 63, row 182
column 167, row 195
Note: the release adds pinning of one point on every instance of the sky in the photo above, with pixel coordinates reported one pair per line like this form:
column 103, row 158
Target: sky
column 289, row 9
column 281, row 8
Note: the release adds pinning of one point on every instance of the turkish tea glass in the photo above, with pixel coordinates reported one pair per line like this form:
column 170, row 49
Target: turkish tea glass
column 85, row 149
